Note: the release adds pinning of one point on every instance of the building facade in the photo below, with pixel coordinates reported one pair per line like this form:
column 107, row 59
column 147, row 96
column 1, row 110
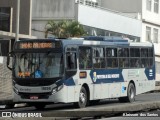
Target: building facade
column 8, row 10
column 96, row 21
column 150, row 17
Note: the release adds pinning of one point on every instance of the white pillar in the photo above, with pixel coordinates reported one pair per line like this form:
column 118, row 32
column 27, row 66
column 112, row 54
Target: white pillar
column 17, row 20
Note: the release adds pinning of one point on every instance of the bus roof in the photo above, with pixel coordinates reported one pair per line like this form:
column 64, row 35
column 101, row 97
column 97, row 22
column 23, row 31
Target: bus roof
column 94, row 40
column 104, row 40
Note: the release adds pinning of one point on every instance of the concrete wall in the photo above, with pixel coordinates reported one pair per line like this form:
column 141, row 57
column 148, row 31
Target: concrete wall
column 45, row 10
column 123, row 5
column 53, row 9
column 107, row 20
column 24, row 14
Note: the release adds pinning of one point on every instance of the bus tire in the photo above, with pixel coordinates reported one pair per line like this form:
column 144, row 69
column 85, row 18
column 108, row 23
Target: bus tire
column 131, row 92
column 39, row 106
column 83, row 98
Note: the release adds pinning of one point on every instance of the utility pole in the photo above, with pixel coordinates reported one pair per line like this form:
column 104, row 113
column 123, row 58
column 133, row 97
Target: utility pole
column 17, row 20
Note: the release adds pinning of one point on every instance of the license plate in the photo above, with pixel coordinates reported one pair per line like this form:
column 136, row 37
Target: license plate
column 33, row 97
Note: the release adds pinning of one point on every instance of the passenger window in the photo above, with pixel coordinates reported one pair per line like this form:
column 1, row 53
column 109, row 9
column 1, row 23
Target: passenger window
column 123, row 52
column 135, row 63
column 98, row 58
column 111, row 58
column 144, row 52
column 111, row 52
column 85, row 59
column 134, row 52
column 112, row 63
column 150, row 52
column 71, row 60
column 123, row 62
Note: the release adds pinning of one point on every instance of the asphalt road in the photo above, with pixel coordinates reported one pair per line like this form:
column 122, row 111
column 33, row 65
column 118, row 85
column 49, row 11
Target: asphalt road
column 103, row 103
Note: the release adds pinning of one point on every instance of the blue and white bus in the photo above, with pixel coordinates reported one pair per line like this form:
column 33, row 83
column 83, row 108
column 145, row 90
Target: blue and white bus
column 81, row 71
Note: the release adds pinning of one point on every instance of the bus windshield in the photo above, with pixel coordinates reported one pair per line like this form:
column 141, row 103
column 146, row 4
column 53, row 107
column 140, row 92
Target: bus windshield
column 38, row 65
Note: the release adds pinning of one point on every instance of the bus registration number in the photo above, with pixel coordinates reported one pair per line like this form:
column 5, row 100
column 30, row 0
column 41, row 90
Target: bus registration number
column 33, row 97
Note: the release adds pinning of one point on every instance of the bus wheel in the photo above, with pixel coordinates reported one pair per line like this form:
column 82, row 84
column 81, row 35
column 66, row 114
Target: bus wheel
column 130, row 94
column 39, row 106
column 83, row 98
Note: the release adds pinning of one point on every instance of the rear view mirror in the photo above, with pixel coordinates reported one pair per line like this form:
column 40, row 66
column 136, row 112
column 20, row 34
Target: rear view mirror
column 9, row 60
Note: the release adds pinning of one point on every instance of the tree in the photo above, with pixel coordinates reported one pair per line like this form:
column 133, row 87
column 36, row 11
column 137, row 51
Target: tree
column 64, row 29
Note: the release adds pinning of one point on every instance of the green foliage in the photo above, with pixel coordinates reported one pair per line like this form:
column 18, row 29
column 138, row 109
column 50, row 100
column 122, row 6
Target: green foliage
column 64, row 28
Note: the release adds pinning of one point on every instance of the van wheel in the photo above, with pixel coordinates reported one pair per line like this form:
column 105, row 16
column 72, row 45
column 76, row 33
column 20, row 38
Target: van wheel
column 83, row 98
column 131, row 92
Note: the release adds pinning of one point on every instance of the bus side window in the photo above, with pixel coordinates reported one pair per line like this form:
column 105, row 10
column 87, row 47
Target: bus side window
column 71, row 60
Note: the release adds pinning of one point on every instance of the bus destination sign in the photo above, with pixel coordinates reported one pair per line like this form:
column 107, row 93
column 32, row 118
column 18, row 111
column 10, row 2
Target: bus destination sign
column 36, row 45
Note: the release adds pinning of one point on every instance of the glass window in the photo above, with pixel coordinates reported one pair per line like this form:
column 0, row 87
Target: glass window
column 85, row 58
column 144, row 52
column 148, row 34
column 112, row 63
column 150, row 62
column 71, row 60
column 38, row 65
column 155, row 35
column 123, row 62
column 156, row 6
column 150, row 52
column 111, row 52
column 98, row 58
column 135, row 63
column 149, row 4
column 144, row 62
column 5, row 19
column 134, row 52
column 123, row 52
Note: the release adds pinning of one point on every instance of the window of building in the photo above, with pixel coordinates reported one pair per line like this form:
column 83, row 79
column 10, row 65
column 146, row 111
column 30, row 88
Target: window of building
column 148, row 33
column 92, row 3
column 149, row 5
column 4, row 47
column 5, row 18
column 156, row 6
column 155, row 35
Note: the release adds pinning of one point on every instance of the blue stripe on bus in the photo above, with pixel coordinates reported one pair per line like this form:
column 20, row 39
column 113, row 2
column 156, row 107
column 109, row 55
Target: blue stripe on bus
column 150, row 73
column 69, row 82
column 110, row 76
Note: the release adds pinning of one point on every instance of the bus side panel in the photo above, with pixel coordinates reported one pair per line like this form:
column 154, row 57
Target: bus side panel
column 97, row 91
column 105, row 91
column 114, row 90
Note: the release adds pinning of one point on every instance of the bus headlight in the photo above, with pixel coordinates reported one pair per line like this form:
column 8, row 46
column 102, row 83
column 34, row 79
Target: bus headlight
column 57, row 88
